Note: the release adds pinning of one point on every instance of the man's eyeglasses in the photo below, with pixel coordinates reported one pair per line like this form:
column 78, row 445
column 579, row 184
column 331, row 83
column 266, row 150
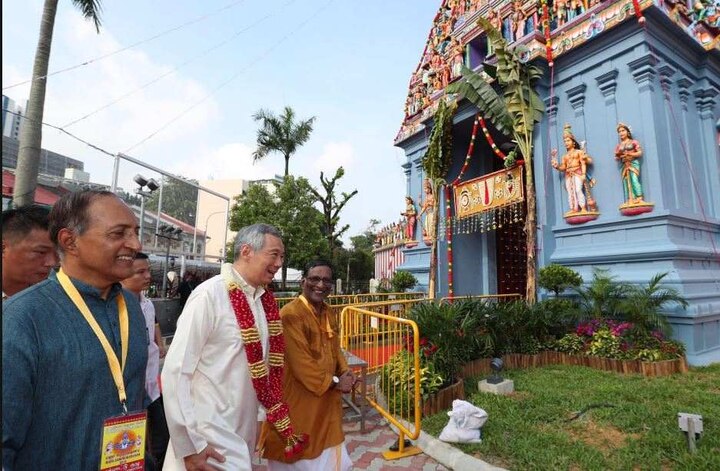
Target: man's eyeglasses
column 316, row 280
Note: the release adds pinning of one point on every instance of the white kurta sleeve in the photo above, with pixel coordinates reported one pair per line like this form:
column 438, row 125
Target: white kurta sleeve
column 194, row 327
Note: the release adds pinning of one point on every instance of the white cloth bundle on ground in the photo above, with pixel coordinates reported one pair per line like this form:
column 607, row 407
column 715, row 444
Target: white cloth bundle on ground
column 464, row 424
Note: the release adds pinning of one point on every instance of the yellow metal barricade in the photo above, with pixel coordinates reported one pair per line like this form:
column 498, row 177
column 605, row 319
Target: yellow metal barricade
column 380, row 297
column 498, row 297
column 388, row 347
column 341, row 300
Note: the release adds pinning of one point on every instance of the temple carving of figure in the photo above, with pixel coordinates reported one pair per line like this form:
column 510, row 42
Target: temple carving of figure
column 410, row 215
column 628, row 153
column 574, row 165
column 428, row 208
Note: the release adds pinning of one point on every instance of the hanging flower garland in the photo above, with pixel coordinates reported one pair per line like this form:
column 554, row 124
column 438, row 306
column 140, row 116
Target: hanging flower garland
column 546, row 31
column 267, row 384
column 448, row 236
column 490, row 140
column 471, row 147
column 638, row 11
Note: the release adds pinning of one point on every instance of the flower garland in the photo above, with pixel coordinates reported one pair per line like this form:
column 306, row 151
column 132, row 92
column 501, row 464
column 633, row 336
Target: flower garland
column 266, row 382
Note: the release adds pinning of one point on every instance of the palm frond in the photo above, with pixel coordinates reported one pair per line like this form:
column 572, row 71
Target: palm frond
column 489, row 103
column 90, row 10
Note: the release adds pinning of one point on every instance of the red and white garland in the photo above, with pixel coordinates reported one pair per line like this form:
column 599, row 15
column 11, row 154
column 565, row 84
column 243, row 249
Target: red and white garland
column 267, row 382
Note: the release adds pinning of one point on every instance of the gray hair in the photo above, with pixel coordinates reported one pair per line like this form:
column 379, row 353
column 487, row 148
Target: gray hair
column 254, row 236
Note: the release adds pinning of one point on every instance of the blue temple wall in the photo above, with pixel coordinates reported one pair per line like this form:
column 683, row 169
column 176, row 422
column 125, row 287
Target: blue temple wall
column 666, row 87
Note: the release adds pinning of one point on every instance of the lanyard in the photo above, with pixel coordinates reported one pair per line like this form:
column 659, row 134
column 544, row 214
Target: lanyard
column 328, row 329
column 115, row 369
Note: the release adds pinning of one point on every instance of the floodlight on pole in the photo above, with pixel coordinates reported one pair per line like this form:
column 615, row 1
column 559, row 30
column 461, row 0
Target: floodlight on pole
column 152, row 185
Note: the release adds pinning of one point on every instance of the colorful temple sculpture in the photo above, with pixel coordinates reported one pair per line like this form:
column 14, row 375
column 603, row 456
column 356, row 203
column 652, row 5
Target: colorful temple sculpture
column 625, row 157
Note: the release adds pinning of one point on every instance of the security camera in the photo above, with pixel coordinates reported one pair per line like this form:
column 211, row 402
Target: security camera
column 140, row 180
column 152, row 185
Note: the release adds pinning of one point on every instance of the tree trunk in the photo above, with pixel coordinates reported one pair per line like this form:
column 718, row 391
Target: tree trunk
column 287, row 165
column 31, row 133
column 283, row 275
column 432, row 282
column 531, row 233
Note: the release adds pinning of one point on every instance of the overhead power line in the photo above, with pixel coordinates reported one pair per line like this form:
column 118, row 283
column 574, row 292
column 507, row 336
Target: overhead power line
column 176, row 68
column 143, row 41
column 230, row 79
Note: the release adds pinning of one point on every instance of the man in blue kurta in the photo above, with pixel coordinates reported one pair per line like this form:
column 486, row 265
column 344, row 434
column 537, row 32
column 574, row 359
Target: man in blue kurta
column 58, row 386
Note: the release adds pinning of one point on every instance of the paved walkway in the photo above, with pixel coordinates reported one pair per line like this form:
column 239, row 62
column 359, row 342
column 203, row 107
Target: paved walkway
column 366, row 448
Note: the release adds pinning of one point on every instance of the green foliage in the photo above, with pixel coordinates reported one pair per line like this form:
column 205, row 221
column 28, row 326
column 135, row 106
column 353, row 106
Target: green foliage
column 602, row 298
column 515, row 110
column 605, row 298
column 178, row 200
column 291, row 211
column 450, row 334
column 570, row 343
column 332, row 205
column 281, row 134
column 619, row 340
column 398, row 379
column 529, row 430
column 558, row 278
column 642, row 304
column 402, row 281
column 604, row 344
column 438, row 157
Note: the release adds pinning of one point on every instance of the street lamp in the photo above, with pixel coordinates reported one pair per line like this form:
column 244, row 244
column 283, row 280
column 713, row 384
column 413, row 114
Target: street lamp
column 152, row 185
column 169, row 233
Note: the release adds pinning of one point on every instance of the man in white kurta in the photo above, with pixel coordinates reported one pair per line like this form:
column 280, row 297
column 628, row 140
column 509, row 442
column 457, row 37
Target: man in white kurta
column 211, row 406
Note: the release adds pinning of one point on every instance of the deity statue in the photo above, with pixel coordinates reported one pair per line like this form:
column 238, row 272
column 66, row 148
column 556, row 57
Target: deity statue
column 428, row 208
column 628, row 152
column 410, row 218
column 574, row 164
column 517, row 21
column 496, row 22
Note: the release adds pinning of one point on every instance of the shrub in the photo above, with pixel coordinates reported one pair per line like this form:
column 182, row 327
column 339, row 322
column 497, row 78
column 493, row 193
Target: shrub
column 570, row 343
column 558, row 278
column 451, row 333
column 398, row 379
column 402, row 281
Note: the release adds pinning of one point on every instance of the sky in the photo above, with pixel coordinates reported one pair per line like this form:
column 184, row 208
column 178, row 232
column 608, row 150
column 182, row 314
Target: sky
column 183, row 101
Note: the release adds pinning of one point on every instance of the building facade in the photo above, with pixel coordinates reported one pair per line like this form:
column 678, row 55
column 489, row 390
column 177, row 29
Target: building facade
column 661, row 77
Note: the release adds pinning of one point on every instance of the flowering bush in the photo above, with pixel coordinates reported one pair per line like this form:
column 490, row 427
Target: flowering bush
column 620, row 340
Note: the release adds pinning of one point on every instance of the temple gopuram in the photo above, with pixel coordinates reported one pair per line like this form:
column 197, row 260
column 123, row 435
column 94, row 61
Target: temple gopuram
column 625, row 159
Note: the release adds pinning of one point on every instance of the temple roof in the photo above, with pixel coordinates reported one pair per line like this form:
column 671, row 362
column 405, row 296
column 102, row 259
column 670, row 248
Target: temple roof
column 455, row 39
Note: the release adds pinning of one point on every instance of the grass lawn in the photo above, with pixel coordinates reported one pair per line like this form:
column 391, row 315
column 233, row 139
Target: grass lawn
column 532, row 429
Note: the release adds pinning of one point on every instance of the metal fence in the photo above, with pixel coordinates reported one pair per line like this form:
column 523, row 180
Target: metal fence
column 389, row 347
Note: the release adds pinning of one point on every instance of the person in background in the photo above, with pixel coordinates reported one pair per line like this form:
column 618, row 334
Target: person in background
column 27, row 252
column 158, row 432
column 315, row 378
column 64, row 341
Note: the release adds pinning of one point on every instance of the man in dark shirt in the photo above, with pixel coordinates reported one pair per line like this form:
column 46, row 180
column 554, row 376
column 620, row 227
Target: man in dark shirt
column 58, row 387
column 28, row 254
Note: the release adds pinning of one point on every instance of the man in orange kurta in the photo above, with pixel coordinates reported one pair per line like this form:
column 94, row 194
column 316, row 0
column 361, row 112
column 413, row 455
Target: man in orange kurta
column 316, row 375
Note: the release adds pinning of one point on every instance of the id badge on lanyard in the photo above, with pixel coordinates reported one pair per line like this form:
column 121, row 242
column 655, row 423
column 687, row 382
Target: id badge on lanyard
column 123, row 442
column 123, row 436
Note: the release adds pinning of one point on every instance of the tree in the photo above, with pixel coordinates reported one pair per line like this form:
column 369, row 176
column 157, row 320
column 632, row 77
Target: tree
column 332, row 207
column 179, row 200
column 281, row 134
column 558, row 278
column 402, row 281
column 31, row 133
column 514, row 113
column 291, row 210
